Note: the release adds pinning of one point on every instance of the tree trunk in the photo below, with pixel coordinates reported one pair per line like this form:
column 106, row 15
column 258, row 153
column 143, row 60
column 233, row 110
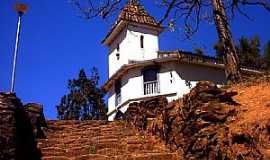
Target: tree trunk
column 230, row 58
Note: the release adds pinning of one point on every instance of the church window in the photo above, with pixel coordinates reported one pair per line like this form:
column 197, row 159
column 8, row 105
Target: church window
column 118, row 48
column 118, row 53
column 142, row 41
column 150, row 81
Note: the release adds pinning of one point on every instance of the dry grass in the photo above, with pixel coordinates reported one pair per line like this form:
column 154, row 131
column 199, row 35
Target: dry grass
column 254, row 113
column 254, row 100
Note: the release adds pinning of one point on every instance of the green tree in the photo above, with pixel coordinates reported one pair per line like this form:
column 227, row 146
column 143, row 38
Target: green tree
column 84, row 100
column 266, row 56
column 248, row 51
column 219, row 50
column 199, row 51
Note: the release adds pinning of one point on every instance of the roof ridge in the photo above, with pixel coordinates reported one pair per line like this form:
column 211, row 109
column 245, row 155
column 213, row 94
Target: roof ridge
column 135, row 12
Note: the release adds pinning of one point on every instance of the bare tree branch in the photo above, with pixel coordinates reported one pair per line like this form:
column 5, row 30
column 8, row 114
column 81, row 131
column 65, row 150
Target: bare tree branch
column 168, row 11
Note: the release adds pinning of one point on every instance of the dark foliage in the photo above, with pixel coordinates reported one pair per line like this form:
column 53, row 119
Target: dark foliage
column 249, row 53
column 265, row 61
column 199, row 51
column 219, row 50
column 84, row 100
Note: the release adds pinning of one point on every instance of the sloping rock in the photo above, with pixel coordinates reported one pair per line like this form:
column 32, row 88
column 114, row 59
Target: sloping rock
column 197, row 126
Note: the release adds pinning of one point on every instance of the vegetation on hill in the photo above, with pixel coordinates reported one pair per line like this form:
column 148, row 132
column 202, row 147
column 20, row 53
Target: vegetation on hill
column 199, row 51
column 249, row 52
column 266, row 56
column 84, row 100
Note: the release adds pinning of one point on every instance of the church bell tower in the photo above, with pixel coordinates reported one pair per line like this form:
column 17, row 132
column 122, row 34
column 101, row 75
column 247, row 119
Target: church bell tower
column 134, row 37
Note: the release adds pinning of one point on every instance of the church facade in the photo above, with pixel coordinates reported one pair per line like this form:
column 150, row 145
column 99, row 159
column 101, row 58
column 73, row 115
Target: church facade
column 138, row 70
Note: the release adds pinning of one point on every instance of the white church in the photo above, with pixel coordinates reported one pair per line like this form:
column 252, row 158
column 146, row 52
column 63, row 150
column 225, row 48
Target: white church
column 138, row 70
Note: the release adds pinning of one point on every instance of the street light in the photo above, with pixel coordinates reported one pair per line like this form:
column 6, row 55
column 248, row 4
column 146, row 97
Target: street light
column 20, row 9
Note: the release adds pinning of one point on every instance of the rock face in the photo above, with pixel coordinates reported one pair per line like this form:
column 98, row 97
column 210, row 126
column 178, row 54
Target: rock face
column 35, row 114
column 17, row 133
column 197, row 125
column 100, row 140
column 8, row 107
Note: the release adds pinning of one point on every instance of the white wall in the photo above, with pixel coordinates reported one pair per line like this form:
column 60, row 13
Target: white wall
column 172, row 78
column 150, row 43
column 115, row 64
column 132, row 87
column 130, row 49
column 111, row 99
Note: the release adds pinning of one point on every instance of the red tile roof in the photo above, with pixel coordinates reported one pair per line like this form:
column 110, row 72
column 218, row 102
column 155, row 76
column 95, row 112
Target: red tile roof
column 134, row 12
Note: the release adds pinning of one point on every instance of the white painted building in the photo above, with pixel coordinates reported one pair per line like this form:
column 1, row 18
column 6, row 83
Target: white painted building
column 138, row 70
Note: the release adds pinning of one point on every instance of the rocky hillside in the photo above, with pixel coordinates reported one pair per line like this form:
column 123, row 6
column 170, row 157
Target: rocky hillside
column 253, row 118
column 211, row 123
column 99, row 140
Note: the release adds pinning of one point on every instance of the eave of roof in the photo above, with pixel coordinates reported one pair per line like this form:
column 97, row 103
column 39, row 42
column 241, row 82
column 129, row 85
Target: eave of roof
column 117, row 28
column 157, row 61
column 175, row 57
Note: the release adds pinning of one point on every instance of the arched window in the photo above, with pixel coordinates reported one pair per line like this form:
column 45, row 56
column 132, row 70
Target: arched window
column 142, row 41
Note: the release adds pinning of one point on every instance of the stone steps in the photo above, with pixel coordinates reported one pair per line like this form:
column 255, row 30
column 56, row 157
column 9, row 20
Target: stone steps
column 146, row 156
column 99, row 140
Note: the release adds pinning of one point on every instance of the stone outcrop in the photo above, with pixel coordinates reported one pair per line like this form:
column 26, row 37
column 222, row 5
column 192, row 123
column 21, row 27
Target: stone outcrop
column 34, row 112
column 18, row 125
column 198, row 126
column 8, row 107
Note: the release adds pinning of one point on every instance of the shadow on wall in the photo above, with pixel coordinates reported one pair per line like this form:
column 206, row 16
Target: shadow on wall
column 19, row 127
column 26, row 145
column 198, row 73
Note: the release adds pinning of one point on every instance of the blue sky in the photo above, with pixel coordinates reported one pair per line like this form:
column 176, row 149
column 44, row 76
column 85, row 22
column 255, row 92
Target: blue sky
column 56, row 43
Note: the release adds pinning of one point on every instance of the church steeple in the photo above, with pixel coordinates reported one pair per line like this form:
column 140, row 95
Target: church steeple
column 134, row 37
column 133, row 12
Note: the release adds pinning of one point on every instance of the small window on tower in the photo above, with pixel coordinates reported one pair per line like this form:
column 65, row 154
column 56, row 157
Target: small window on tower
column 117, row 53
column 142, row 41
column 118, row 48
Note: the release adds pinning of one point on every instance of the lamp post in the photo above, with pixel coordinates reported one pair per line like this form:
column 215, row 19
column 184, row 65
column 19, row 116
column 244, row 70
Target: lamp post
column 20, row 9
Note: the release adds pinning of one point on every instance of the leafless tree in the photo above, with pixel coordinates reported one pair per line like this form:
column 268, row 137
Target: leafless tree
column 192, row 12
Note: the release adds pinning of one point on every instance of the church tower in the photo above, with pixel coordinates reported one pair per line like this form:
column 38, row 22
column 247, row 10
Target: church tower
column 134, row 37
